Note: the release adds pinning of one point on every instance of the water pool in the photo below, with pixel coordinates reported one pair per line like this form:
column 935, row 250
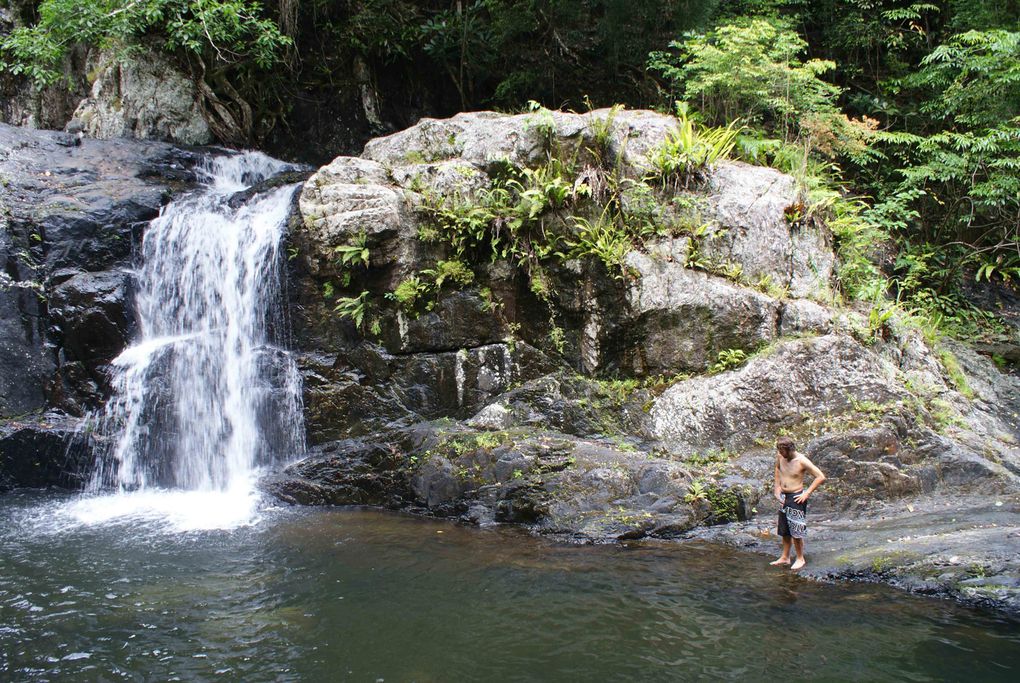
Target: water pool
column 361, row 595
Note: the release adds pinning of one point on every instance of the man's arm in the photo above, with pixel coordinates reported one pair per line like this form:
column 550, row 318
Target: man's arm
column 819, row 480
column 777, row 489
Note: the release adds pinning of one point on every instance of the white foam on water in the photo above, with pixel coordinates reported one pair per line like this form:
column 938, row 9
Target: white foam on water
column 174, row 511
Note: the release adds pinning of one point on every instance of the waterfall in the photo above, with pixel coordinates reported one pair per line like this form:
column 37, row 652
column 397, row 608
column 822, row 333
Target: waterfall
column 207, row 393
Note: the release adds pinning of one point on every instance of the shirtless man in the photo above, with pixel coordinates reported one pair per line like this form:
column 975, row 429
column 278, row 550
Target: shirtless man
column 789, row 490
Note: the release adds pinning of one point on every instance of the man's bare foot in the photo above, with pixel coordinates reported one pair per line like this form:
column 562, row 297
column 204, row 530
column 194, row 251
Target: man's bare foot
column 780, row 561
column 799, row 564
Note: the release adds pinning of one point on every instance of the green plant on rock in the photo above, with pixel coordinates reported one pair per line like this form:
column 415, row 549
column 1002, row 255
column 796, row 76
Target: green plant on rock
column 727, row 360
column 541, row 119
column 601, row 130
column 602, row 239
column 354, row 254
column 452, row 270
column 355, row 308
column 696, row 491
column 408, row 292
column 956, row 375
column 879, row 318
column 352, row 257
column 689, row 150
column 558, row 338
column 725, row 503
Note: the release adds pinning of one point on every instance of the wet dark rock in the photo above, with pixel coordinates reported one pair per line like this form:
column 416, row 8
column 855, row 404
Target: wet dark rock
column 94, row 317
column 27, row 363
column 349, row 472
column 40, row 452
column 71, row 213
column 267, row 185
column 368, row 389
column 81, row 206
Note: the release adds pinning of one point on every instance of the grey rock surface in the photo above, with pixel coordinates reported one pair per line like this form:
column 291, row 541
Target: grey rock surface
column 782, row 388
column 961, row 547
column 680, row 319
column 750, row 207
column 142, row 96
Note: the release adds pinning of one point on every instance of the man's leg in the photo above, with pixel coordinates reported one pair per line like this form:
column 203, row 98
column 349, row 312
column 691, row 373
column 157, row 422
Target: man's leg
column 785, row 557
column 798, row 544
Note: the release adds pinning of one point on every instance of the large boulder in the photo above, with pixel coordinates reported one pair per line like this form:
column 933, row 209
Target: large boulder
column 143, row 96
column 782, row 388
column 666, row 316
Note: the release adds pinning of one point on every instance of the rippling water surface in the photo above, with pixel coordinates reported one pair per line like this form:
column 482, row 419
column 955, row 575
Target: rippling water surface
column 317, row 595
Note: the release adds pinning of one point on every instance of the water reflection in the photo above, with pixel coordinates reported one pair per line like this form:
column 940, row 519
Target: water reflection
column 361, row 595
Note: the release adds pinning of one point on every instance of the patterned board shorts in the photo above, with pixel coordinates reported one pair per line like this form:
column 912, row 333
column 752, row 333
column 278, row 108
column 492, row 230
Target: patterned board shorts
column 793, row 517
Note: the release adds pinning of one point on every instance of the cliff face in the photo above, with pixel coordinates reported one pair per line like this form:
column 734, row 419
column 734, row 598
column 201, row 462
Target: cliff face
column 602, row 391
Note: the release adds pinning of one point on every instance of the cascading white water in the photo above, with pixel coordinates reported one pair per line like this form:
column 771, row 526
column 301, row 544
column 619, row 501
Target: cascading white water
column 204, row 397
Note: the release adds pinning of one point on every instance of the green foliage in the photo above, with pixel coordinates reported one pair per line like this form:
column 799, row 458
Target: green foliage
column 725, row 504
column 507, row 52
column 689, row 150
column 355, row 308
column 352, row 257
column 408, row 292
column 454, row 270
column 696, row 491
column 602, row 239
column 955, row 372
column 354, row 254
column 223, row 31
column 972, row 80
column 857, row 238
column 727, row 360
column 751, row 69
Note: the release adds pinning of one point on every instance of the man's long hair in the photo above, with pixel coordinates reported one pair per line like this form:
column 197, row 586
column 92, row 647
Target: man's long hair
column 785, row 445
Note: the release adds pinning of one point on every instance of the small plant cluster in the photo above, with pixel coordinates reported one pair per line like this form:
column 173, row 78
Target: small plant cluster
column 724, row 503
column 689, row 150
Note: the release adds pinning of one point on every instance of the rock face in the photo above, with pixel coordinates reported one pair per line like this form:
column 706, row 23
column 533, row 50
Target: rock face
column 38, row 453
column 682, row 318
column 93, row 317
column 144, row 97
column 602, row 404
column 778, row 389
column 754, row 211
column 70, row 218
